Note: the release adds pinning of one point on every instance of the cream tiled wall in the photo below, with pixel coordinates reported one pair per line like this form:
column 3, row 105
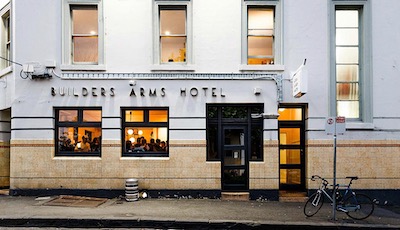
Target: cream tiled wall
column 35, row 167
column 264, row 174
column 376, row 163
column 4, row 164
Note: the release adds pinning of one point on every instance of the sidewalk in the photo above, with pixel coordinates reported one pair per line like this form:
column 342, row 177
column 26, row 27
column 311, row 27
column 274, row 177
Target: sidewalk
column 182, row 213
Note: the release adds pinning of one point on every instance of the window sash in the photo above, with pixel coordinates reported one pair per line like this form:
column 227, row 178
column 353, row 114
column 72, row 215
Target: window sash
column 85, row 48
column 260, row 36
column 6, row 37
column 274, row 60
column 72, row 126
column 347, row 50
column 147, row 123
column 172, row 34
column 173, row 50
column 93, row 57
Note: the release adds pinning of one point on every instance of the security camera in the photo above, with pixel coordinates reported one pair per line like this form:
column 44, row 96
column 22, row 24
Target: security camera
column 132, row 82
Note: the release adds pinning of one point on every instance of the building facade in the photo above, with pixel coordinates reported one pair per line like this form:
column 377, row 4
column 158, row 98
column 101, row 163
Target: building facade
column 198, row 96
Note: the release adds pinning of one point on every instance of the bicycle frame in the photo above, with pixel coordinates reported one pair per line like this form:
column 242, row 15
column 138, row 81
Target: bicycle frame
column 348, row 192
column 357, row 206
column 322, row 188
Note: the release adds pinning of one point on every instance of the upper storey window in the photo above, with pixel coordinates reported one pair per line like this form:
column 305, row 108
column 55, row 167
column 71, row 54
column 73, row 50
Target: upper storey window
column 261, row 35
column 351, row 80
column 173, row 34
column 5, row 37
column 172, row 43
column 83, row 35
column 347, row 62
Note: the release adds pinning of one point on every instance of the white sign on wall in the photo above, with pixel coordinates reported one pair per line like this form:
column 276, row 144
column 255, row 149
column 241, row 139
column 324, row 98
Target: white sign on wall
column 335, row 125
column 300, row 81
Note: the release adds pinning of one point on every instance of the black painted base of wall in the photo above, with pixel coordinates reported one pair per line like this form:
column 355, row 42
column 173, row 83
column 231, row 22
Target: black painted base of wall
column 272, row 195
column 381, row 197
column 101, row 193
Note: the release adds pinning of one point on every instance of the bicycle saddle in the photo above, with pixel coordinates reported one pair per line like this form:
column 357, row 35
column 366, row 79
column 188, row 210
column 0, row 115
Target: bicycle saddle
column 352, row 177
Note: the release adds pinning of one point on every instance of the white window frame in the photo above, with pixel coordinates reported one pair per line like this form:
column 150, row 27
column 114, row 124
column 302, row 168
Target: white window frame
column 185, row 66
column 278, row 40
column 6, row 32
column 365, row 120
column 67, row 62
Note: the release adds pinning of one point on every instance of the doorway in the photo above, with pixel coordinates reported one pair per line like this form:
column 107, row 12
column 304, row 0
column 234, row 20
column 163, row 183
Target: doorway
column 235, row 158
column 5, row 137
column 291, row 125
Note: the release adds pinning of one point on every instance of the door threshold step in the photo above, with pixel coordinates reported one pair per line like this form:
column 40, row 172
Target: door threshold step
column 5, row 192
column 242, row 196
column 286, row 196
column 300, row 199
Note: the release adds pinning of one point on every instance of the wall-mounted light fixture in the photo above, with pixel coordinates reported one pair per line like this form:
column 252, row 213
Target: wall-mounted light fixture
column 257, row 91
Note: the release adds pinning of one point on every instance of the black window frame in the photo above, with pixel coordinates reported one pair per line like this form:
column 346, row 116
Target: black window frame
column 218, row 121
column 146, row 123
column 76, row 124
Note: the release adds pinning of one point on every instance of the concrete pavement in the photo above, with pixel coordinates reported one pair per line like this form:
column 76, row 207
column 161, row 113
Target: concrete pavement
column 183, row 213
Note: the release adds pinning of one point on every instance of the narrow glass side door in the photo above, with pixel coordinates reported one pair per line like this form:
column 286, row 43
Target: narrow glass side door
column 234, row 158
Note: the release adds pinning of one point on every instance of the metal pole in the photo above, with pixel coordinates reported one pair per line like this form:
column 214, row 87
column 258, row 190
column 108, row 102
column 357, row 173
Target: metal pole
column 334, row 176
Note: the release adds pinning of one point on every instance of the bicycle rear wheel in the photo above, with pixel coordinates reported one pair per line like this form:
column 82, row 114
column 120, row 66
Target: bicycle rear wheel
column 359, row 206
column 313, row 204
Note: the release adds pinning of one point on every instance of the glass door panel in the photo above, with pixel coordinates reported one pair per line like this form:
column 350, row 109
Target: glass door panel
column 290, row 176
column 289, row 136
column 290, row 156
column 234, row 157
column 290, row 114
column 234, row 177
column 235, row 160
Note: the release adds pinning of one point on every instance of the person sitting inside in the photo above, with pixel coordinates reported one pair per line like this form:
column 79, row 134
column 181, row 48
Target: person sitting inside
column 67, row 145
column 95, row 145
column 83, row 146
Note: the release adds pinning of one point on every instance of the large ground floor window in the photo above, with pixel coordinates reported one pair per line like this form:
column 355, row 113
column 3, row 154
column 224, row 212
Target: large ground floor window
column 78, row 131
column 145, row 132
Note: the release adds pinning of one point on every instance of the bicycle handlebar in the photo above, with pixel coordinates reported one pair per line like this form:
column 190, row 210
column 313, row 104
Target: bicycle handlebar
column 315, row 177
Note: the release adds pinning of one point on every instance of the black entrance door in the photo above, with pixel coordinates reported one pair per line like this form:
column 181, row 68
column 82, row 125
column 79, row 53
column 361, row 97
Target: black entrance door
column 292, row 148
column 235, row 158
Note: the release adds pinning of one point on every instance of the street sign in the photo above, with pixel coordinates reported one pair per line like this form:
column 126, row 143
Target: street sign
column 335, row 125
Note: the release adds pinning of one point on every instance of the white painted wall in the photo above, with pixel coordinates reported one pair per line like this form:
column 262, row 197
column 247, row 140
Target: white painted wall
column 216, row 49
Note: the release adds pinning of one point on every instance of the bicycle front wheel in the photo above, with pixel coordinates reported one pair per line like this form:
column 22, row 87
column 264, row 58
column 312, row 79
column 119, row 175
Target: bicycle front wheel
column 359, row 206
column 313, row 204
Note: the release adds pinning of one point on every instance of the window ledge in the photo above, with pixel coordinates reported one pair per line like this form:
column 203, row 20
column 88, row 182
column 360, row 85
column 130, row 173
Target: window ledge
column 261, row 67
column 75, row 158
column 173, row 67
column 84, row 67
column 359, row 125
column 6, row 70
column 144, row 158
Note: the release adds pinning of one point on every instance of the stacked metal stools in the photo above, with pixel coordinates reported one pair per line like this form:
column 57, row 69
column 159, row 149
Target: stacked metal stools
column 131, row 190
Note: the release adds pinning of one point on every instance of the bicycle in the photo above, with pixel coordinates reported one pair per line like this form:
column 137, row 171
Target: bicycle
column 356, row 206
